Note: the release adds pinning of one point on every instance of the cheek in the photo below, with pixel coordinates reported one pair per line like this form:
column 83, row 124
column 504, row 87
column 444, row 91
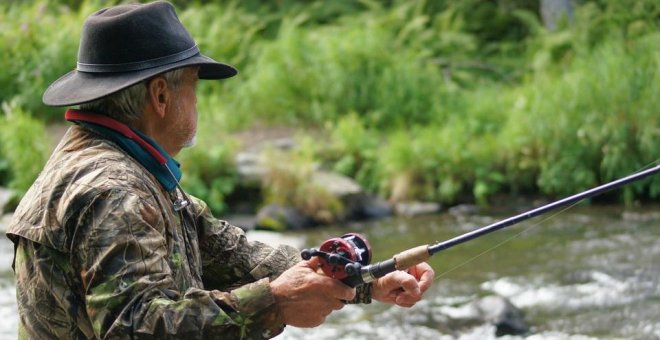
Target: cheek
column 193, row 110
column 192, row 120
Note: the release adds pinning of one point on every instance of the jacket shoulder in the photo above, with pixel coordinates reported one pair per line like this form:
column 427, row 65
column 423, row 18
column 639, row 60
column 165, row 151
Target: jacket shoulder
column 81, row 170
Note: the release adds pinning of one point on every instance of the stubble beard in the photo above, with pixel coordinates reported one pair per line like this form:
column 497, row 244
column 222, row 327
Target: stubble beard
column 191, row 141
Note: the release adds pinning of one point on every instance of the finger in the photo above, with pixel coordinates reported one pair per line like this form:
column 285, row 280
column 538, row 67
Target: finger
column 413, row 271
column 426, row 278
column 409, row 284
column 314, row 322
column 405, row 300
column 338, row 304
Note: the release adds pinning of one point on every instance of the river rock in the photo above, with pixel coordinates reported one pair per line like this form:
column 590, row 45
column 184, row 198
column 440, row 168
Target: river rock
column 500, row 312
column 336, row 184
column 280, row 217
column 464, row 210
column 410, row 209
column 374, row 207
column 495, row 310
column 249, row 163
column 356, row 203
column 345, row 189
column 249, row 168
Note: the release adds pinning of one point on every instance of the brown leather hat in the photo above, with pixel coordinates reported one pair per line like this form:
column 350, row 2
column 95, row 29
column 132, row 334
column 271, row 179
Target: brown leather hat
column 123, row 45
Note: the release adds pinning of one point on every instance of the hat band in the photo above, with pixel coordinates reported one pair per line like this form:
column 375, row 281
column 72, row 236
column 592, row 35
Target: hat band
column 138, row 65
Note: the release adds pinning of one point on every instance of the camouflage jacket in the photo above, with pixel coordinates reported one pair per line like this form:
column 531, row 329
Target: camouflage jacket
column 100, row 253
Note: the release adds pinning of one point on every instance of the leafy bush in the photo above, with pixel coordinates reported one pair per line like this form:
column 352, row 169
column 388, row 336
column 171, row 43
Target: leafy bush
column 313, row 76
column 594, row 122
column 437, row 100
column 39, row 44
column 210, row 173
column 288, row 181
column 352, row 150
column 23, row 147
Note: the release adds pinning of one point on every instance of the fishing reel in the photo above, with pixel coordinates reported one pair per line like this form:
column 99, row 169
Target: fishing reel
column 342, row 257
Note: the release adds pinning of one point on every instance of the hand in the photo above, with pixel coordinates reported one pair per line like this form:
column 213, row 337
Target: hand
column 305, row 297
column 404, row 288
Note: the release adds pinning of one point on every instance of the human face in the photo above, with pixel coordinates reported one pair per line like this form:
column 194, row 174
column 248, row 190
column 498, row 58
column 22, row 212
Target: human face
column 184, row 110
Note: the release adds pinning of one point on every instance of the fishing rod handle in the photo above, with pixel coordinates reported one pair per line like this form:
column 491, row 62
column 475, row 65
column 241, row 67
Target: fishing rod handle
column 400, row 261
column 411, row 257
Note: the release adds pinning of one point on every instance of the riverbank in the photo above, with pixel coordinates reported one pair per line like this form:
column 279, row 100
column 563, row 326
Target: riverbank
column 426, row 102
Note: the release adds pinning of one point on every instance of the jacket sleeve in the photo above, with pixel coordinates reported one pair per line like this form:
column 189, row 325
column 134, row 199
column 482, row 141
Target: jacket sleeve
column 129, row 291
column 228, row 259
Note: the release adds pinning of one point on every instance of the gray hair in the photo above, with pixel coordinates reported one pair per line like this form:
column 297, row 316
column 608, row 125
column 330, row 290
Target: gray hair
column 126, row 105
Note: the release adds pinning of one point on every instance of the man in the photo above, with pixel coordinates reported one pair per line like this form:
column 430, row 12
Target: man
column 107, row 243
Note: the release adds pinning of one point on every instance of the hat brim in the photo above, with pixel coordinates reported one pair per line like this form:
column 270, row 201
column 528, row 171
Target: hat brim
column 78, row 87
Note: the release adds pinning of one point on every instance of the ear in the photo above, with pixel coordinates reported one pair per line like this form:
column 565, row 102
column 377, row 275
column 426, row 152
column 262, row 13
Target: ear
column 158, row 95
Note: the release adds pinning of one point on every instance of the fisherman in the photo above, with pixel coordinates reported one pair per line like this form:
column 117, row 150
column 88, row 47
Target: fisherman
column 107, row 245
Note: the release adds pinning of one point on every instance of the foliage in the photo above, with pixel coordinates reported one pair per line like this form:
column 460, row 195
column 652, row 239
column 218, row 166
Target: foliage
column 352, row 150
column 36, row 48
column 210, row 174
column 435, row 100
column 288, row 181
column 22, row 147
column 391, row 66
column 596, row 121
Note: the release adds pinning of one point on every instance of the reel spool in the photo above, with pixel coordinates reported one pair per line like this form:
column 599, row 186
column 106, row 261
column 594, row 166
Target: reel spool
column 334, row 254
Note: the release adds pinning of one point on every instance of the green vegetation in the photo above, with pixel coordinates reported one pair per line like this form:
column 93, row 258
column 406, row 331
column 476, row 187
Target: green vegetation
column 289, row 181
column 448, row 101
column 210, row 173
column 23, row 152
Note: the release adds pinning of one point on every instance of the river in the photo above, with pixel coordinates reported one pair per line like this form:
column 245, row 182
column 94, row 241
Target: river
column 591, row 272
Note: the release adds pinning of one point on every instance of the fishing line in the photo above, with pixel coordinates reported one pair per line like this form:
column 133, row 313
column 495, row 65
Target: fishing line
column 504, row 242
column 645, row 167
column 343, row 259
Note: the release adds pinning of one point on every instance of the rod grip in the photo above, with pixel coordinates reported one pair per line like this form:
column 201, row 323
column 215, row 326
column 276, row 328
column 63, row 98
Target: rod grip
column 411, row 257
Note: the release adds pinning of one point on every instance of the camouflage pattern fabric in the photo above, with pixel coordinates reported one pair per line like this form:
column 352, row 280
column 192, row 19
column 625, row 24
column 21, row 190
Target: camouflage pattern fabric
column 102, row 254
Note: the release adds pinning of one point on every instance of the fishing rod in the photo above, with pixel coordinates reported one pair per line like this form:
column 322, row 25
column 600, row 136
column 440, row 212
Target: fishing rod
column 347, row 258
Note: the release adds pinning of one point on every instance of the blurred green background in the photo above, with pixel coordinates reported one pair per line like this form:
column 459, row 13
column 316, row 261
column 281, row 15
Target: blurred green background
column 446, row 101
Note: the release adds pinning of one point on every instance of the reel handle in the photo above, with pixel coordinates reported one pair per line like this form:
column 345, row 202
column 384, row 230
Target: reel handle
column 307, row 254
column 342, row 258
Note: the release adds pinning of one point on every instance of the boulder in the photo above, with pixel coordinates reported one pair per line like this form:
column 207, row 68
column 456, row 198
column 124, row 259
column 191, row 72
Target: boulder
column 249, row 168
column 249, row 163
column 280, row 217
column 374, row 207
column 344, row 189
column 355, row 202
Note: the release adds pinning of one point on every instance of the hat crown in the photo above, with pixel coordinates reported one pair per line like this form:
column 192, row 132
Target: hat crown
column 126, row 44
column 133, row 37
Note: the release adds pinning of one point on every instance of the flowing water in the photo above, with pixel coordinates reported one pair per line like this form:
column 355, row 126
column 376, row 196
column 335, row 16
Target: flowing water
column 585, row 273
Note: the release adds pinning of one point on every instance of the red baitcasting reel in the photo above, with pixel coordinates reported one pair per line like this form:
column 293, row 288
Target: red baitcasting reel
column 341, row 256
